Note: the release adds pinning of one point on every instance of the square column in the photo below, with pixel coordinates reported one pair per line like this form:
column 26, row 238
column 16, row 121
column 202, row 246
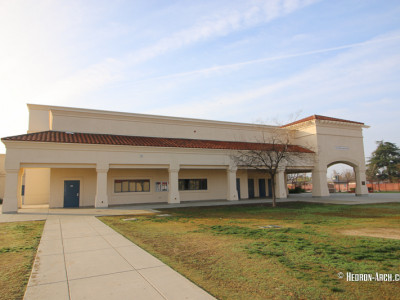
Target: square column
column 101, row 199
column 280, row 184
column 319, row 183
column 10, row 201
column 173, row 189
column 361, row 182
column 232, row 194
column 19, row 191
column 245, row 185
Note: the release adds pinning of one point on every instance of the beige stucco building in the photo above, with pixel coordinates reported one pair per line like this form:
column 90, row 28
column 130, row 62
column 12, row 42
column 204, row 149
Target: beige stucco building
column 74, row 157
column 2, row 175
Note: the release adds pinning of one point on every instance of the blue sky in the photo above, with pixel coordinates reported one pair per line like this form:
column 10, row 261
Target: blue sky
column 241, row 61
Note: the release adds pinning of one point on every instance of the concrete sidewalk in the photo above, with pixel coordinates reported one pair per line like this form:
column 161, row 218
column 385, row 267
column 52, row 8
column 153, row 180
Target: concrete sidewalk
column 42, row 212
column 79, row 257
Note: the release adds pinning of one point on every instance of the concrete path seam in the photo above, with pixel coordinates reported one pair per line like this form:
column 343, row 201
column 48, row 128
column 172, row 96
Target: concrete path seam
column 47, row 283
column 65, row 262
column 161, row 294
column 101, row 275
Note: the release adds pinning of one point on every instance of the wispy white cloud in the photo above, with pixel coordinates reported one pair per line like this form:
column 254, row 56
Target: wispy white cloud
column 383, row 102
column 347, row 76
column 221, row 24
column 44, row 48
column 237, row 66
column 213, row 26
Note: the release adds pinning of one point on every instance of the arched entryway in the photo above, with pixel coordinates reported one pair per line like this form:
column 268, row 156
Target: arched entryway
column 320, row 180
column 341, row 178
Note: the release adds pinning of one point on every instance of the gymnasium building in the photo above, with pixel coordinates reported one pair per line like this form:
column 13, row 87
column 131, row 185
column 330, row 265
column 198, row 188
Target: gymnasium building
column 73, row 157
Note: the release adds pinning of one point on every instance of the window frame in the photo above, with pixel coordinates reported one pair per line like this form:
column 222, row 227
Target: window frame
column 132, row 188
column 192, row 184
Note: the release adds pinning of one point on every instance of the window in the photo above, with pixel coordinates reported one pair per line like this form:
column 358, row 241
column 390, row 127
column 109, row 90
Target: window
column 192, row 184
column 124, row 186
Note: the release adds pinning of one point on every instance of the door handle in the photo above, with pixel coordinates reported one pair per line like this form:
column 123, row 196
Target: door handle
column 77, row 194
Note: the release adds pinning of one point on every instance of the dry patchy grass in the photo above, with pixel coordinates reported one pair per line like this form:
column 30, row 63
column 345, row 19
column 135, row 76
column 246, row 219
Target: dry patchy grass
column 223, row 250
column 18, row 245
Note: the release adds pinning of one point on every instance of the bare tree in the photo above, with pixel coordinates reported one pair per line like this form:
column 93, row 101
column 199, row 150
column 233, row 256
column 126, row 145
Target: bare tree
column 293, row 178
column 271, row 154
column 298, row 179
column 348, row 175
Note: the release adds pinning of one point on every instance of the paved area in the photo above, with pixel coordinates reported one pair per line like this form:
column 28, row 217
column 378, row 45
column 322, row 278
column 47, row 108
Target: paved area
column 31, row 213
column 79, row 257
column 43, row 212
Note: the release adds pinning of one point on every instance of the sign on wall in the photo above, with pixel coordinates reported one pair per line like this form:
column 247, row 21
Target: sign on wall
column 162, row 186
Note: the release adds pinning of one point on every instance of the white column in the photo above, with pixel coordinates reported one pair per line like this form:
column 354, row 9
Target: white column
column 10, row 201
column 280, row 188
column 361, row 182
column 319, row 183
column 19, row 187
column 101, row 199
column 2, row 179
column 232, row 194
column 173, row 186
column 286, row 185
column 245, row 184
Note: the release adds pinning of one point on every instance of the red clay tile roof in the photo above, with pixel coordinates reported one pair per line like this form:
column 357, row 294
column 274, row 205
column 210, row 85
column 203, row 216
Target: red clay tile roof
column 124, row 140
column 318, row 117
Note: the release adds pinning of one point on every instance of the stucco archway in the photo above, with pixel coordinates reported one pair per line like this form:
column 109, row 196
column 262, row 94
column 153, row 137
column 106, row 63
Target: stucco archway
column 320, row 184
column 341, row 177
column 359, row 170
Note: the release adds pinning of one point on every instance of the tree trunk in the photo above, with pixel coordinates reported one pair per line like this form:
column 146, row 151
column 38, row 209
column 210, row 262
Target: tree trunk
column 273, row 190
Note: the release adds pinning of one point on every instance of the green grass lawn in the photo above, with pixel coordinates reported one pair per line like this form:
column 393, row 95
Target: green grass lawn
column 224, row 250
column 18, row 245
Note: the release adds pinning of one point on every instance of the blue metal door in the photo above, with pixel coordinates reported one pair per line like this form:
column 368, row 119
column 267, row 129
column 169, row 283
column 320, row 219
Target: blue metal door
column 251, row 188
column 71, row 193
column 269, row 188
column 261, row 186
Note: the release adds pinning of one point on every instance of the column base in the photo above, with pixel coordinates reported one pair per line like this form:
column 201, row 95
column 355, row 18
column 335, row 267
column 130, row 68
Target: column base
column 9, row 212
column 321, row 196
column 9, row 206
column 174, row 201
column 101, row 203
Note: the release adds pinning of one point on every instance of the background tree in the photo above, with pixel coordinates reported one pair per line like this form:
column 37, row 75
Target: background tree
column 374, row 175
column 385, row 162
column 273, row 153
column 336, row 179
column 348, row 176
column 293, row 179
